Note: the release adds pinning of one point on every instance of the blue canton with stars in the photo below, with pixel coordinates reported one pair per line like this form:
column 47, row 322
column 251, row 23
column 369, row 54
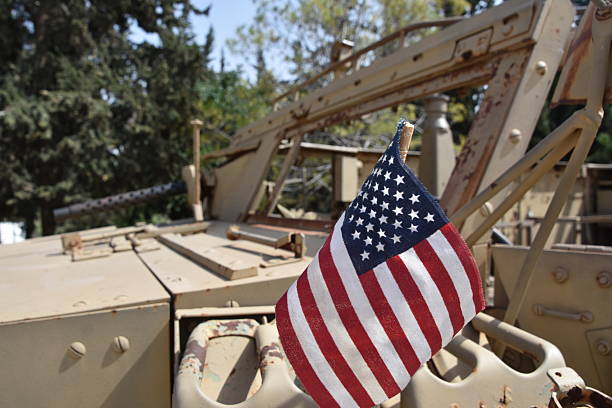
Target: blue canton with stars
column 392, row 212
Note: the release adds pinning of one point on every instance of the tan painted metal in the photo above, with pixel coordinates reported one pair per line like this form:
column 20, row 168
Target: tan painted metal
column 602, row 36
column 431, row 63
column 293, row 241
column 101, row 332
column 277, row 388
column 72, row 360
column 219, row 259
column 194, row 285
column 198, row 214
column 572, row 87
column 509, row 110
column 570, row 391
column 487, row 380
column 60, row 318
column 558, row 310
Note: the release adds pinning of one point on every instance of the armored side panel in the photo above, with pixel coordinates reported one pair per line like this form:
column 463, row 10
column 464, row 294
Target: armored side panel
column 81, row 334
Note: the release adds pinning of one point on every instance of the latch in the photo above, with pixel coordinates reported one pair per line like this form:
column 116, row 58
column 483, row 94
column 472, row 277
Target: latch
column 570, row 391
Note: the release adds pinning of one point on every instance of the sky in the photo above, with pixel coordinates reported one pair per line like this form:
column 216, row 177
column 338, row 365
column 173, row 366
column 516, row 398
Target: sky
column 225, row 16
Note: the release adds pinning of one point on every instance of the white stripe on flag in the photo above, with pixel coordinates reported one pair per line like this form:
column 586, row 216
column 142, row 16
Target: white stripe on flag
column 313, row 353
column 402, row 311
column 455, row 270
column 363, row 309
column 430, row 293
column 340, row 336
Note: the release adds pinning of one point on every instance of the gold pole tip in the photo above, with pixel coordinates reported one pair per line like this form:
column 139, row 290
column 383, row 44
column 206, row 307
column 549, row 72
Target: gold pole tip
column 197, row 122
column 408, row 128
column 405, row 139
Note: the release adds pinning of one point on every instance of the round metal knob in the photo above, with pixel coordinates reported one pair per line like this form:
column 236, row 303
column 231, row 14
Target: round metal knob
column 232, row 303
column 541, row 67
column 122, row 344
column 77, row 349
column 486, row 209
column 560, row 275
column 604, row 279
column 603, row 347
column 515, row 135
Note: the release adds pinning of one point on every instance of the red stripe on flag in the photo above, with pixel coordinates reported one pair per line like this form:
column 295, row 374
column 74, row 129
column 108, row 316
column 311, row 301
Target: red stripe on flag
column 415, row 300
column 469, row 265
column 443, row 281
column 328, row 346
column 352, row 323
column 389, row 321
column 294, row 352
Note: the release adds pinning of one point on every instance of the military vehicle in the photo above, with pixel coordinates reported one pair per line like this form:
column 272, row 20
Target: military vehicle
column 182, row 314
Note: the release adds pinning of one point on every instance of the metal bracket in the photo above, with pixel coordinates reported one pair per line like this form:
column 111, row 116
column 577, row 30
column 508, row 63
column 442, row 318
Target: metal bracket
column 293, row 241
column 570, row 390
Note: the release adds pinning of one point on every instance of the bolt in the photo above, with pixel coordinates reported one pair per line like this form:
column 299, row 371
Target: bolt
column 77, row 349
column 515, row 135
column 603, row 14
column 603, row 347
column 604, row 279
column 122, row 344
column 560, row 275
column 541, row 67
column 486, row 209
column 232, row 303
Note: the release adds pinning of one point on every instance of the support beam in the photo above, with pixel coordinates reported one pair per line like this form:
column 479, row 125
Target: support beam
column 507, row 116
column 289, row 160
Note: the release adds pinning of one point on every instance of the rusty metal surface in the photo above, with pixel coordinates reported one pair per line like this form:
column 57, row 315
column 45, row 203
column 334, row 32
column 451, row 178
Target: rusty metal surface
column 484, row 133
column 230, row 377
column 570, row 391
column 513, row 24
column 572, row 86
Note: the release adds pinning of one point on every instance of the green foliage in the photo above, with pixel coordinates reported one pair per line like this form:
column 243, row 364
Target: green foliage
column 227, row 103
column 299, row 34
column 85, row 112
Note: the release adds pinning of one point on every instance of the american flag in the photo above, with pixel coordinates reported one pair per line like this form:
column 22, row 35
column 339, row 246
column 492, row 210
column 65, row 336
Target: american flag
column 393, row 283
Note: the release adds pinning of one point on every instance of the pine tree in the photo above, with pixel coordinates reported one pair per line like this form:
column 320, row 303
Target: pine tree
column 84, row 111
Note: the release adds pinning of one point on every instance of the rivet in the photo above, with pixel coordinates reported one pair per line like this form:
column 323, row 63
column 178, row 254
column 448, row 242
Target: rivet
column 486, row 209
column 77, row 349
column 604, row 279
column 515, row 135
column 541, row 67
column 603, row 347
column 121, row 343
column 560, row 275
column 232, row 303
